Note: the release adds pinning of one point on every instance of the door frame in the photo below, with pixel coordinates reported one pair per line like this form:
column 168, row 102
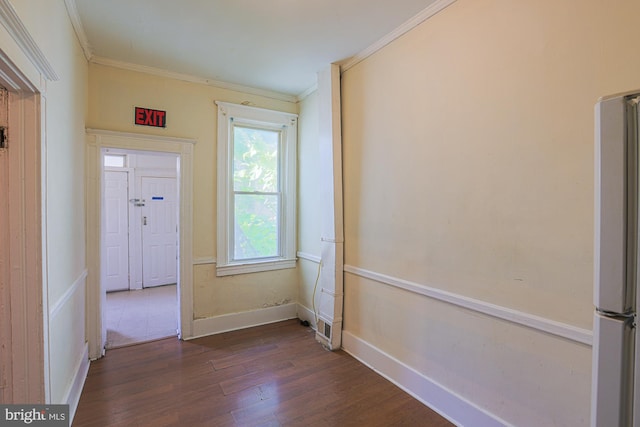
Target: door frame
column 97, row 139
column 24, row 362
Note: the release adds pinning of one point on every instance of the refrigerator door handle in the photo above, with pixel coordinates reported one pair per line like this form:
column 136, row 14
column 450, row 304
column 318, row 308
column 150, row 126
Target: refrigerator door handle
column 630, row 315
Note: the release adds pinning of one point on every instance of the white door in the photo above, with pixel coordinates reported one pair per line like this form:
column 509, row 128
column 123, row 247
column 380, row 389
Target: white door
column 159, row 231
column 116, row 231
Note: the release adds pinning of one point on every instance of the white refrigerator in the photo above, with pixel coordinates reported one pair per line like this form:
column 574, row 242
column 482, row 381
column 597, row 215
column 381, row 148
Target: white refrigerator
column 616, row 366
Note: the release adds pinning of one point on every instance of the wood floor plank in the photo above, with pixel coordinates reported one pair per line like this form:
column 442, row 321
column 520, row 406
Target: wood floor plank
column 253, row 379
column 272, row 375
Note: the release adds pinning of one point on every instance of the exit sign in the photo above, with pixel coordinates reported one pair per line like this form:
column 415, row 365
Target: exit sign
column 149, row 117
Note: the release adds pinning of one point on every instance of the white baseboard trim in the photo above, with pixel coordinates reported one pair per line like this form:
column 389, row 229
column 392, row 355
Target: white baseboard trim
column 72, row 396
column 559, row 329
column 456, row 409
column 242, row 320
column 305, row 313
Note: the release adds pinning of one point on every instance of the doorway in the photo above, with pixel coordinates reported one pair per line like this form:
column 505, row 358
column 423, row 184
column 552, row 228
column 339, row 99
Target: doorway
column 24, row 306
column 139, row 245
column 183, row 148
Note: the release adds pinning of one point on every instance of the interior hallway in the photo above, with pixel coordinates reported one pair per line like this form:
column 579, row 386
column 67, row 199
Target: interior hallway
column 141, row 315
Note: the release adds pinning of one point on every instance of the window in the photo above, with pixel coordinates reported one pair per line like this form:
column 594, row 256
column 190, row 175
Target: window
column 114, row 160
column 256, row 189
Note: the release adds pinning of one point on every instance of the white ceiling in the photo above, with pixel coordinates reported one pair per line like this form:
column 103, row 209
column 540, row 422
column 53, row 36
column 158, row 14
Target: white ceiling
column 274, row 45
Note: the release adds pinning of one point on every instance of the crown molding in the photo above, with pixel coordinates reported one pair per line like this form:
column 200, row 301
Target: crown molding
column 192, row 79
column 418, row 19
column 14, row 26
column 74, row 16
column 308, row 92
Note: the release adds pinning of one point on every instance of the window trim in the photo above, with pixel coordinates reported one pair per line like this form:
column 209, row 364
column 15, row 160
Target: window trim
column 255, row 117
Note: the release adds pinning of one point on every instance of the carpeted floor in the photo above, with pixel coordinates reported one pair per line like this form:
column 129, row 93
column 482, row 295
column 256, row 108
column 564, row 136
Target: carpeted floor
column 139, row 316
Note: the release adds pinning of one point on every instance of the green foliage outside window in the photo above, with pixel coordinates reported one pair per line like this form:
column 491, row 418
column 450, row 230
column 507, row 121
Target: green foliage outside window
column 256, row 192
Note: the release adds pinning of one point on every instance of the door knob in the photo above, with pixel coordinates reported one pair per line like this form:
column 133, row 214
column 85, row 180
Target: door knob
column 144, row 220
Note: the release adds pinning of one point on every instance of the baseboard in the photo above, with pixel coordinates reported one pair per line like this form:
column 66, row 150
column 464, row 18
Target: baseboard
column 456, row 409
column 72, row 397
column 305, row 313
column 242, row 320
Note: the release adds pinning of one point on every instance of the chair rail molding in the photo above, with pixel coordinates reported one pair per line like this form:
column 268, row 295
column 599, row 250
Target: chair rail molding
column 563, row 330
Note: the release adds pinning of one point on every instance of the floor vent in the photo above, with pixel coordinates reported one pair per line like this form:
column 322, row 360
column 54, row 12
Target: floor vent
column 324, row 329
column 324, row 335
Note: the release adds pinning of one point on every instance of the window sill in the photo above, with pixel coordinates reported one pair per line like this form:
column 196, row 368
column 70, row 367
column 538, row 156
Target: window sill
column 254, row 267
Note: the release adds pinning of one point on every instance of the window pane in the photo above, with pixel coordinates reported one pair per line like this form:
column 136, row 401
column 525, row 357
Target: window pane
column 255, row 159
column 256, row 226
column 113, row 160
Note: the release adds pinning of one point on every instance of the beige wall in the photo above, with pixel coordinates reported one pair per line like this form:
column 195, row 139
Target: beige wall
column 191, row 113
column 64, row 107
column 468, row 167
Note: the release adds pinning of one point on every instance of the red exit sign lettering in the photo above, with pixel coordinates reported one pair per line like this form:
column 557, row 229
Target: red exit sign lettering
column 149, row 117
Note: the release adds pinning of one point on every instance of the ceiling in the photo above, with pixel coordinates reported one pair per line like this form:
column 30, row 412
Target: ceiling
column 272, row 45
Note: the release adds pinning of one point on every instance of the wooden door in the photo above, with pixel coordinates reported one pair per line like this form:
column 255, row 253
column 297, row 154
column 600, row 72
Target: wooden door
column 5, row 294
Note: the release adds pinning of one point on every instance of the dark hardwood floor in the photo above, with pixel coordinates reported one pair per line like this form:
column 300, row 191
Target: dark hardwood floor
column 272, row 375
